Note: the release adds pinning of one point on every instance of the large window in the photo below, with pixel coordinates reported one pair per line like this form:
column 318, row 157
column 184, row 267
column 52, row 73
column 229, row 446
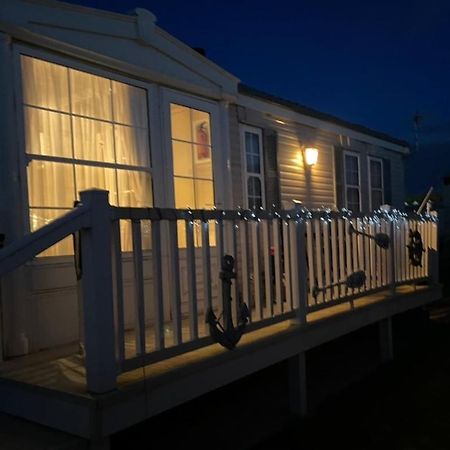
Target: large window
column 251, row 139
column 82, row 131
column 376, row 182
column 352, row 181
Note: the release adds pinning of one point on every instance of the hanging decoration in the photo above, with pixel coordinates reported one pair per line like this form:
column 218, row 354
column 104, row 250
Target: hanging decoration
column 355, row 280
column 227, row 334
column 415, row 248
column 381, row 239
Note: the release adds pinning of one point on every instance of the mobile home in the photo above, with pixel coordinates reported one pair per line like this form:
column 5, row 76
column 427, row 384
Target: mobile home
column 131, row 164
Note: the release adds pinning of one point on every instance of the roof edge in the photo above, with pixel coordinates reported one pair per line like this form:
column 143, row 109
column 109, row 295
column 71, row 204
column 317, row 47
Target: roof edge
column 299, row 108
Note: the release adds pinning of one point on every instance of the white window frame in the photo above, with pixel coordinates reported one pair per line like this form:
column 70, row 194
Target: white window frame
column 219, row 162
column 358, row 186
column 77, row 64
column 245, row 173
column 378, row 160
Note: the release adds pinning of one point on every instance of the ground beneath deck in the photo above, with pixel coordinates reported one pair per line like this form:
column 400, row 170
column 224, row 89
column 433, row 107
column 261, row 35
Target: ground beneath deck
column 355, row 402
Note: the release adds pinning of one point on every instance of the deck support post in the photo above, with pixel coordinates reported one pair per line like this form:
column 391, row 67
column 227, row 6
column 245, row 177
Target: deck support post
column 386, row 340
column 297, row 384
column 98, row 314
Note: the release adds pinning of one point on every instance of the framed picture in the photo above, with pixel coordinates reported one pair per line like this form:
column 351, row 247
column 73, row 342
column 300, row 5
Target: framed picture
column 202, row 139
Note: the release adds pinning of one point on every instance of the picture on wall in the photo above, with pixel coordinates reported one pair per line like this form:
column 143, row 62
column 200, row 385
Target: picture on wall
column 202, row 139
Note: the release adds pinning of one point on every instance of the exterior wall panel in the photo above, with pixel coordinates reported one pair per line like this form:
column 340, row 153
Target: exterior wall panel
column 314, row 186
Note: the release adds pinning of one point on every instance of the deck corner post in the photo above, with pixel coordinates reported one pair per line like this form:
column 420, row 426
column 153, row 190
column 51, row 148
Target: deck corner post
column 98, row 314
column 297, row 385
column 386, row 340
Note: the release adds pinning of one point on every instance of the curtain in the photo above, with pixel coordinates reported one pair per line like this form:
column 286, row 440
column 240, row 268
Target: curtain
column 83, row 131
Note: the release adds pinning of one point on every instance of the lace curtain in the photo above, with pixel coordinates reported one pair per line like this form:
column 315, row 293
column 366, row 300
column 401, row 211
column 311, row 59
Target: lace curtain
column 82, row 131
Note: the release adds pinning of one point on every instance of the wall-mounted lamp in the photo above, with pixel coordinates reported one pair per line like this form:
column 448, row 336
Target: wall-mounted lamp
column 311, row 155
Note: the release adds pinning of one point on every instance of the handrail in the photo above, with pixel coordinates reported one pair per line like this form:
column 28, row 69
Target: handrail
column 131, row 213
column 26, row 248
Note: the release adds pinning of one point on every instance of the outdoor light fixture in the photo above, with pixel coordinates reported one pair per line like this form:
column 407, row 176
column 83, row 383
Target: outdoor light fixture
column 311, row 155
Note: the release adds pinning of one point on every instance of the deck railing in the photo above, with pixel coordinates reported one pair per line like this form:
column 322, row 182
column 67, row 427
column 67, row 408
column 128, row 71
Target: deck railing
column 149, row 275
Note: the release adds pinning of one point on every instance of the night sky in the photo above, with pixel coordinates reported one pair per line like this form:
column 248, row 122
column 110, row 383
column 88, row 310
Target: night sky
column 375, row 63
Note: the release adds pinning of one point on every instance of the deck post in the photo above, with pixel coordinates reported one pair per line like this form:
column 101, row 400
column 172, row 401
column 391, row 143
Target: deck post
column 15, row 292
column 386, row 340
column 98, row 312
column 297, row 384
column 299, row 268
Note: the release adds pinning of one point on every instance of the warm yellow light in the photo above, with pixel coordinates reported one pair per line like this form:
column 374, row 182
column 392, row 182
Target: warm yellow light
column 311, row 155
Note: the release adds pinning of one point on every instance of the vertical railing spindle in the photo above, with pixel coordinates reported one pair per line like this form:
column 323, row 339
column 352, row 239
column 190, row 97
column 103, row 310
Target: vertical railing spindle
column 326, row 255
column 257, row 285
column 206, row 265
column 268, row 272
column 335, row 257
column 139, row 308
column 243, row 227
column 175, row 297
column 191, row 280
column 118, row 290
column 287, row 264
column 277, row 265
column 158, row 305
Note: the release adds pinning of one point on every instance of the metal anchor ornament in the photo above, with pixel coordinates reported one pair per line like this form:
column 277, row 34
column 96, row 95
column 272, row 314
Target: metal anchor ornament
column 354, row 281
column 415, row 248
column 381, row 239
column 227, row 334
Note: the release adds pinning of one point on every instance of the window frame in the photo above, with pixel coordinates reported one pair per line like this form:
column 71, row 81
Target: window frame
column 378, row 160
column 219, row 161
column 346, row 186
column 245, row 173
column 77, row 64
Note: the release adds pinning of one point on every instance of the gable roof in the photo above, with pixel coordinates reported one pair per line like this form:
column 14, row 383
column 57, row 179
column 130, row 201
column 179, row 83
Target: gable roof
column 130, row 43
column 307, row 111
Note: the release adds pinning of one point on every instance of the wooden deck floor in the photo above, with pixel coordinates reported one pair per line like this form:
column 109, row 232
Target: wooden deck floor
column 63, row 369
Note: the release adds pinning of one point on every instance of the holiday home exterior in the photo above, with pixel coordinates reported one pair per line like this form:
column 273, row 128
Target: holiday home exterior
column 197, row 165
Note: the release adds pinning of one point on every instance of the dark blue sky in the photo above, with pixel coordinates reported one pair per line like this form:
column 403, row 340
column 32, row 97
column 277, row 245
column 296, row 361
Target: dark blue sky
column 371, row 62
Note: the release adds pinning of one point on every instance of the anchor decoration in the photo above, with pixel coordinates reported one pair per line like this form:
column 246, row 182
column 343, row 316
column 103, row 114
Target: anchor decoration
column 227, row 334
column 381, row 239
column 415, row 248
column 354, row 281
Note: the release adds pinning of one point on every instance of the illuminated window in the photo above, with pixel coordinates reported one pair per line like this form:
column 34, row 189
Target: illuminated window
column 376, row 183
column 352, row 181
column 192, row 158
column 82, row 131
column 192, row 162
column 251, row 141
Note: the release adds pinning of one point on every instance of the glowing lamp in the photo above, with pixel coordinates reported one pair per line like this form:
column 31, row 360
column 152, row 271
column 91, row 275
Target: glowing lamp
column 311, row 155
